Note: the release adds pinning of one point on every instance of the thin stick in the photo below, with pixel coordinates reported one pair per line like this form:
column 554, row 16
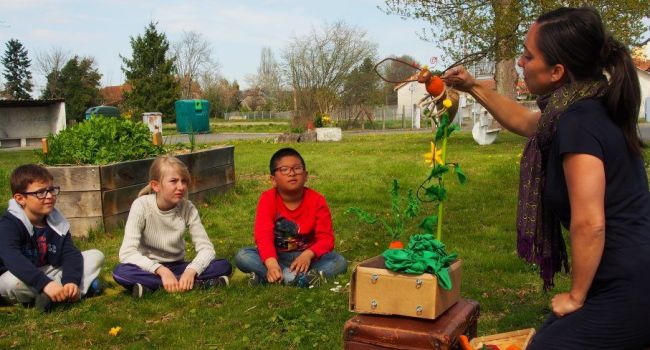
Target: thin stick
column 444, row 161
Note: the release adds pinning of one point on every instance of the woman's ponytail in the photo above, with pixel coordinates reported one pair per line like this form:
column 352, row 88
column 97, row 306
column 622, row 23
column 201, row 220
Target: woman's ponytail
column 623, row 98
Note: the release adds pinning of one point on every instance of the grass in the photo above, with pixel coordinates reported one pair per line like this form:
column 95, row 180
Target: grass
column 240, row 126
column 479, row 226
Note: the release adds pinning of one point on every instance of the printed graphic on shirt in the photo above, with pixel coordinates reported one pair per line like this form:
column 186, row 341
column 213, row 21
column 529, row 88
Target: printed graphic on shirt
column 38, row 254
column 287, row 237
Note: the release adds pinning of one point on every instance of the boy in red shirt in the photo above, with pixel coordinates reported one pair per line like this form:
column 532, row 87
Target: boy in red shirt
column 293, row 230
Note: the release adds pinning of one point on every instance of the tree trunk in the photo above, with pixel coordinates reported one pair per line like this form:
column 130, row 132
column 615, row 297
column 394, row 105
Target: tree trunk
column 506, row 77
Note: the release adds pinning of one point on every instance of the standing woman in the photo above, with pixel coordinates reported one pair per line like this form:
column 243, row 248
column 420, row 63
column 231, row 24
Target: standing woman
column 582, row 167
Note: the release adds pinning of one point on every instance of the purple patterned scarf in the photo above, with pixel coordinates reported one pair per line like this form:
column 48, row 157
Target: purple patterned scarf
column 539, row 238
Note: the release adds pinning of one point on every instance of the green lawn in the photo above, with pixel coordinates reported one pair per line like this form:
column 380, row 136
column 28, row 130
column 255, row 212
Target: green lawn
column 239, row 126
column 479, row 226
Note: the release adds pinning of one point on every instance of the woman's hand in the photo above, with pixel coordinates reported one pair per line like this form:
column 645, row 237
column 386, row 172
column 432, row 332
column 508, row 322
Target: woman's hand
column 459, row 78
column 563, row 304
column 186, row 282
column 169, row 281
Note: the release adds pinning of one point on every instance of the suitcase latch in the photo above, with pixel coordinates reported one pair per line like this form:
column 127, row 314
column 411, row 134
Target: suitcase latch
column 418, row 310
column 373, row 304
column 374, row 278
column 418, row 283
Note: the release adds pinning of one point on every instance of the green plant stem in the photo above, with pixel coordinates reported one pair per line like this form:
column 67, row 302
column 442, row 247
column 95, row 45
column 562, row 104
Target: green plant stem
column 440, row 205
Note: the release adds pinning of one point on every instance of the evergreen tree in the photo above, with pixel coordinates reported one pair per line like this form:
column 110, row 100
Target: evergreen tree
column 151, row 73
column 362, row 85
column 17, row 76
column 78, row 83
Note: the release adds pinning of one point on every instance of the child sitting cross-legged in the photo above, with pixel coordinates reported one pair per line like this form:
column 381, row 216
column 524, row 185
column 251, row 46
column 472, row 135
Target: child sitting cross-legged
column 39, row 263
column 153, row 251
column 293, row 230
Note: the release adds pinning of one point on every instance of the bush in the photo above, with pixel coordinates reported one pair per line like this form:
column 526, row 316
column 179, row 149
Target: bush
column 100, row 140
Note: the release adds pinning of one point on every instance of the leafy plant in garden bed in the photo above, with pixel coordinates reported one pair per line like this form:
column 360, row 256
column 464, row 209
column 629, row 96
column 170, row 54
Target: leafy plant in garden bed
column 100, row 140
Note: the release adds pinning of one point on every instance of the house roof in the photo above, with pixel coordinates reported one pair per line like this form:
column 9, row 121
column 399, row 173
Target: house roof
column 644, row 65
column 112, row 95
column 30, row 103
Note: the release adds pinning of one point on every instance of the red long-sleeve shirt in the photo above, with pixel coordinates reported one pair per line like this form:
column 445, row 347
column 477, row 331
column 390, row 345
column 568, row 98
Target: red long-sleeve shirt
column 312, row 217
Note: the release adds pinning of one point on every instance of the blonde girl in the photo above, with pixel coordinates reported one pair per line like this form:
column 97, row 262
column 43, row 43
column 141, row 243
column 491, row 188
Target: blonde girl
column 153, row 251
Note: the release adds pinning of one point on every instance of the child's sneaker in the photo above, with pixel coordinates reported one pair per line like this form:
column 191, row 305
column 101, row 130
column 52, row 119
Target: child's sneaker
column 221, row 281
column 43, row 303
column 139, row 290
column 254, row 279
column 313, row 278
column 96, row 288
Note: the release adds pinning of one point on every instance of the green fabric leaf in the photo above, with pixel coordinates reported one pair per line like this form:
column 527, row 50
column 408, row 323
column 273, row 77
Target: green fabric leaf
column 462, row 178
column 438, row 171
column 412, row 205
column 362, row 215
column 436, row 193
column 428, row 225
column 423, row 254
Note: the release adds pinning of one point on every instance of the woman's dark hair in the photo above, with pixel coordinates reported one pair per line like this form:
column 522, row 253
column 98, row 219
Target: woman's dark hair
column 281, row 153
column 577, row 39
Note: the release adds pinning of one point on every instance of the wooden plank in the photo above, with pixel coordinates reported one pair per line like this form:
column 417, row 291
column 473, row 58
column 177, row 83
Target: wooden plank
column 210, row 158
column 210, row 178
column 79, row 204
column 80, row 227
column 115, row 222
column 201, row 197
column 119, row 200
column 76, row 178
column 125, row 174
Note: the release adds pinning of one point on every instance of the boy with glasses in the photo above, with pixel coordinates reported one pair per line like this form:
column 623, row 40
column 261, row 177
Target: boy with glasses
column 38, row 260
column 293, row 230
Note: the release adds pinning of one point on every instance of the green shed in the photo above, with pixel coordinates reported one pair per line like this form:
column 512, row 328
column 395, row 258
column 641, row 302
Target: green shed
column 192, row 116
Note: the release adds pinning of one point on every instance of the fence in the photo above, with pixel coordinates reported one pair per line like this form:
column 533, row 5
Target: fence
column 258, row 115
column 379, row 117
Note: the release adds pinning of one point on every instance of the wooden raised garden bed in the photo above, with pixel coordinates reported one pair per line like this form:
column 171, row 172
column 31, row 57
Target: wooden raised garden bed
column 100, row 196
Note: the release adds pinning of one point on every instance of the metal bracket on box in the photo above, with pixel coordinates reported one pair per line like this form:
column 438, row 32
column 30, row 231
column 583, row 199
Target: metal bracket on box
column 418, row 283
column 373, row 304
column 419, row 309
column 374, row 278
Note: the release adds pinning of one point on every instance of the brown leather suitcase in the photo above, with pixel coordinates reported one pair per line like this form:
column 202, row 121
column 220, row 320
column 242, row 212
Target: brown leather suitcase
column 374, row 332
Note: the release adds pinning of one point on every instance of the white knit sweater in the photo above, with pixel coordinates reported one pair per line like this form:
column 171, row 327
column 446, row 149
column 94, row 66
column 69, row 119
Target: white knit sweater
column 153, row 236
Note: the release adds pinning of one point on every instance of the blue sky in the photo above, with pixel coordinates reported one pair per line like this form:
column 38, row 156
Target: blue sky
column 237, row 30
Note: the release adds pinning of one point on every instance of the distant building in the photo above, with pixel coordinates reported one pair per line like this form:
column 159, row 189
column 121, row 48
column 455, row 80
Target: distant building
column 24, row 122
column 114, row 95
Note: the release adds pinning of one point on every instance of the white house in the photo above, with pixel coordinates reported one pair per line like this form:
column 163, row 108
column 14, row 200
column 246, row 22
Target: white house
column 644, row 81
column 24, row 122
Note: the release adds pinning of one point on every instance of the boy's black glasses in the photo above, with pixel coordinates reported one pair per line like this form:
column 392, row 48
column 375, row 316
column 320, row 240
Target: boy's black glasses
column 286, row 170
column 41, row 194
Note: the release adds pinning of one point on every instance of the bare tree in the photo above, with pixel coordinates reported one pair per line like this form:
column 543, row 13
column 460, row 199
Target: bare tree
column 318, row 63
column 49, row 64
column 193, row 56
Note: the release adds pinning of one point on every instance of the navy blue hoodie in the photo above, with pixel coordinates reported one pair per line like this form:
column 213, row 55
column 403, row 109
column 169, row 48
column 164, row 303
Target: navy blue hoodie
column 17, row 236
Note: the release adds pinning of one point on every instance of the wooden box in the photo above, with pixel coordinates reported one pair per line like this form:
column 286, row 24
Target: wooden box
column 100, row 196
column 376, row 290
column 520, row 338
column 366, row 332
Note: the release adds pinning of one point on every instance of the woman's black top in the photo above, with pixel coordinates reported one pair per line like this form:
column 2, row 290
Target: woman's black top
column 586, row 128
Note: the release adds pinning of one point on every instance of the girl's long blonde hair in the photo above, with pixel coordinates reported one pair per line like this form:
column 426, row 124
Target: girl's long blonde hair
column 156, row 171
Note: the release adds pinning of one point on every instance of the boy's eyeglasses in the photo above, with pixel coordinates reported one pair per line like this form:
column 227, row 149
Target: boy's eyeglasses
column 286, row 170
column 41, row 194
